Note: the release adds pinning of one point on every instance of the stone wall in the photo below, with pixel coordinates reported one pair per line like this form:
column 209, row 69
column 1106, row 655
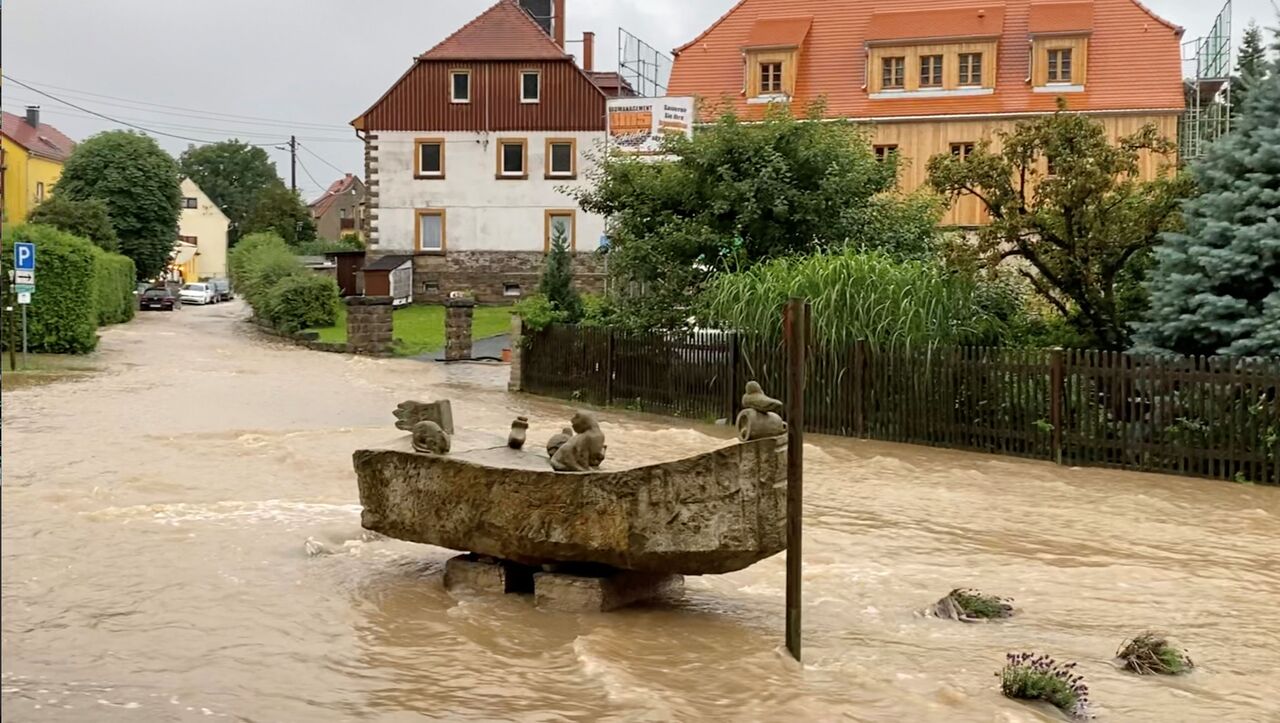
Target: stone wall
column 369, row 325
column 457, row 328
column 485, row 274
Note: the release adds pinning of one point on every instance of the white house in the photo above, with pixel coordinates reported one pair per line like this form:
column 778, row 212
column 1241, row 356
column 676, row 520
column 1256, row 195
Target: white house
column 469, row 155
column 204, row 226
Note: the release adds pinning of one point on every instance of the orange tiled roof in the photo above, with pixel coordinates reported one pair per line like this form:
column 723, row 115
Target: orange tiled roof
column 1134, row 59
column 503, row 32
column 1060, row 17
column 779, row 32
column 43, row 140
column 968, row 22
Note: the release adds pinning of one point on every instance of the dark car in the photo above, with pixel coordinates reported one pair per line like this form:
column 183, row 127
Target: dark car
column 161, row 299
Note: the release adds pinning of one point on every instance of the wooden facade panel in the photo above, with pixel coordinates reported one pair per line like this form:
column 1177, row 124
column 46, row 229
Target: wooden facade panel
column 917, row 141
column 421, row 100
column 1040, row 47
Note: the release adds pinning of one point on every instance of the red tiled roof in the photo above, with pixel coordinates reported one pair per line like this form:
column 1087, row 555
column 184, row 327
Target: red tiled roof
column 779, row 32
column 611, row 83
column 1060, row 17
column 966, row 22
column 503, row 32
column 44, row 141
column 321, row 206
column 1125, row 36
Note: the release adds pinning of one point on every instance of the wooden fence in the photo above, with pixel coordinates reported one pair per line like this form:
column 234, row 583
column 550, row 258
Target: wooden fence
column 1203, row 416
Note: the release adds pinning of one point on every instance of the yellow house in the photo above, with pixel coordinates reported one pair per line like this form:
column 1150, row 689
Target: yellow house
column 32, row 154
column 202, row 236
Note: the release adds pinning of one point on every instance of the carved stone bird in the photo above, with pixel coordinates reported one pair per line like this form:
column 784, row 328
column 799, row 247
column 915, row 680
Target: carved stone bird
column 756, row 399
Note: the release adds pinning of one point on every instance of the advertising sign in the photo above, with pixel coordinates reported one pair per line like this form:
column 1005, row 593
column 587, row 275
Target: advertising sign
column 638, row 125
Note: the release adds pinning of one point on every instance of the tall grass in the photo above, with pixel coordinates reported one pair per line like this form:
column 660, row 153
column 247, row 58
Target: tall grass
column 855, row 295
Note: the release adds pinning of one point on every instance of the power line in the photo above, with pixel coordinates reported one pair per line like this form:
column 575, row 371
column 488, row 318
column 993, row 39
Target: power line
column 322, row 159
column 202, row 113
column 313, row 178
column 114, row 120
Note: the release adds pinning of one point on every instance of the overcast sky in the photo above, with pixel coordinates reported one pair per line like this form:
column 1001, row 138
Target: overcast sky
column 305, row 67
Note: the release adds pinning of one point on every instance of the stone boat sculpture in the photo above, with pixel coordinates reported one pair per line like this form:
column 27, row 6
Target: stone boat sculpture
column 595, row 539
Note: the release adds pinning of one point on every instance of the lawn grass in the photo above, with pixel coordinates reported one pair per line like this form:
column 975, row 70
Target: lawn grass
column 42, row 369
column 419, row 329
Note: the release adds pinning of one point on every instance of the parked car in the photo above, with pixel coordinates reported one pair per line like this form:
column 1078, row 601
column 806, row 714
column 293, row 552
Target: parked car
column 200, row 293
column 221, row 289
column 161, row 299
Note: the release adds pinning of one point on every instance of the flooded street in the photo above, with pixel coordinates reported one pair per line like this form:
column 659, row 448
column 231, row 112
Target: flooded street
column 156, row 515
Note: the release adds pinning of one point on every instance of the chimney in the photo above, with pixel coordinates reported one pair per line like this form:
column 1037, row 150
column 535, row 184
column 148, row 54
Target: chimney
column 33, row 116
column 588, row 51
column 557, row 22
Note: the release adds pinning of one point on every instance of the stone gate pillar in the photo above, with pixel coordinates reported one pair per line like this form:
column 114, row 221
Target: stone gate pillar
column 514, row 382
column 369, row 325
column 457, row 328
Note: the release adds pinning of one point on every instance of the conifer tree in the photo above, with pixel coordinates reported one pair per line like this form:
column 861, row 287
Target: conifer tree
column 1216, row 286
column 1250, row 67
column 557, row 278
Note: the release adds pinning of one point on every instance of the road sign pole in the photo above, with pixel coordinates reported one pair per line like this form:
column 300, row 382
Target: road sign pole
column 25, row 365
column 796, row 332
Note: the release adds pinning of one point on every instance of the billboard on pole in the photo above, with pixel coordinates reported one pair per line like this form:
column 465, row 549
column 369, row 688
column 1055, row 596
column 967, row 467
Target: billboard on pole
column 638, row 125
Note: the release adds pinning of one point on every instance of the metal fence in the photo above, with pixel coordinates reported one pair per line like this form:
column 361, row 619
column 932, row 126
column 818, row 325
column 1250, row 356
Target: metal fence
column 1204, row 416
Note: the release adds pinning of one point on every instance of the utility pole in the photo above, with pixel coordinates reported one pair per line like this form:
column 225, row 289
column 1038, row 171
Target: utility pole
column 795, row 325
column 293, row 163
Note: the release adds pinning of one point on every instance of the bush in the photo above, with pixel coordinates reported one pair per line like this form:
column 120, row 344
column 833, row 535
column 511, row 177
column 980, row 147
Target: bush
column 88, row 218
column 537, row 313
column 303, row 301
column 1151, row 653
column 240, row 254
column 257, row 264
column 1038, row 677
column 114, row 277
column 63, row 316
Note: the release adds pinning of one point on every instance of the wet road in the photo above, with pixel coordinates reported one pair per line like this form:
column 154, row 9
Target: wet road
column 154, row 566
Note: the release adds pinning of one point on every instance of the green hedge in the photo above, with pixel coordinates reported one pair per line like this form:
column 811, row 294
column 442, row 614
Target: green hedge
column 116, row 276
column 303, row 301
column 269, row 276
column 63, row 316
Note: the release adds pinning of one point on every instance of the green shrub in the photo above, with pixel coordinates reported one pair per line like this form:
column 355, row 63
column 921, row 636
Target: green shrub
column 257, row 264
column 115, row 278
column 303, row 301
column 240, row 255
column 537, row 313
column 1027, row 676
column 63, row 316
column 1153, row 653
column 597, row 310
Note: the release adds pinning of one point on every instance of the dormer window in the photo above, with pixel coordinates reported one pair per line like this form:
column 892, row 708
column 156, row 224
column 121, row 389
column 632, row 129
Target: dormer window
column 1059, row 45
column 971, row 69
column 460, row 86
column 893, row 73
column 932, row 53
column 772, row 56
column 530, row 86
column 1059, row 69
column 930, row 71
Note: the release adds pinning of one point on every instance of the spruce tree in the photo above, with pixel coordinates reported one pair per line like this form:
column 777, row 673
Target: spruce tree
column 557, row 278
column 1216, row 286
column 1250, row 67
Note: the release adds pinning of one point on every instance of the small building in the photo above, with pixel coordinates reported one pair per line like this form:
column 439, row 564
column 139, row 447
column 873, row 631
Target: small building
column 471, row 154
column 347, row 265
column 31, row 157
column 340, row 210
column 390, row 275
column 204, row 226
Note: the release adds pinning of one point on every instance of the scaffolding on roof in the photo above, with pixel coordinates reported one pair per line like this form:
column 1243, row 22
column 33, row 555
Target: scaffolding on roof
column 641, row 65
column 1207, row 64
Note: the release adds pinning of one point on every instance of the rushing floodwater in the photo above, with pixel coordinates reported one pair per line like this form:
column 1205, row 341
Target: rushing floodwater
column 155, row 520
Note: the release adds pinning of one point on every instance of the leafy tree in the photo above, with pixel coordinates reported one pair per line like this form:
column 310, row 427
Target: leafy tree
column 1251, row 67
column 139, row 184
column 86, row 219
column 1085, row 231
column 557, row 278
column 282, row 211
column 740, row 193
column 233, row 174
column 1215, row 288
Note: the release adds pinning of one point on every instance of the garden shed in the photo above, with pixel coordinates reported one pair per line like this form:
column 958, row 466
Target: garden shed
column 390, row 275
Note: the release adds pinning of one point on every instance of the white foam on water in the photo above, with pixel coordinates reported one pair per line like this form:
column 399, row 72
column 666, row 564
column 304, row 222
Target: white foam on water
column 618, row 686
column 279, row 512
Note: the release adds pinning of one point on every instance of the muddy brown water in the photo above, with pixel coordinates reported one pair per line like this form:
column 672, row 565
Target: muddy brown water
column 154, row 566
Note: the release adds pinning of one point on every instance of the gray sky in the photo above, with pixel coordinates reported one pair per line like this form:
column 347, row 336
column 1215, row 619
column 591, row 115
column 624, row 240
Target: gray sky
column 305, row 66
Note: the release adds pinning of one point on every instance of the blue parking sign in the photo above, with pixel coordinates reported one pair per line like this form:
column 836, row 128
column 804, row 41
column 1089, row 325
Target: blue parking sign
column 24, row 256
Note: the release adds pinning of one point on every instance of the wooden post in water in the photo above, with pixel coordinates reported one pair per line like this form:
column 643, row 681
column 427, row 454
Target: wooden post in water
column 1056, row 381
column 795, row 325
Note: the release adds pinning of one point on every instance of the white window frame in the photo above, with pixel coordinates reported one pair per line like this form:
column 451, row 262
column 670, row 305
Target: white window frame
column 453, row 86
column 537, row 74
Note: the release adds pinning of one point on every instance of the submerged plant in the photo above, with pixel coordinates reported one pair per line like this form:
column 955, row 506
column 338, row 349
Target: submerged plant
column 1027, row 676
column 1151, row 653
column 971, row 606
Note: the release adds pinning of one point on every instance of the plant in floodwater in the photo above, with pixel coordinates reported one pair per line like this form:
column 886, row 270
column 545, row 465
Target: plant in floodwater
column 968, row 605
column 1027, row 676
column 1151, row 653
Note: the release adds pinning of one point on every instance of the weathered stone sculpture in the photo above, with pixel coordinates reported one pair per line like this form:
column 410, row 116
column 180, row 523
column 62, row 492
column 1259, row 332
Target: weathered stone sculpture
column 759, row 416
column 557, row 440
column 584, row 450
column 519, row 429
column 411, row 412
column 430, row 438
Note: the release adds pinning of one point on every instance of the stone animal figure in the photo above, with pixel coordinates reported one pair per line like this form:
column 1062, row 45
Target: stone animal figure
column 759, row 416
column 519, row 428
column 584, row 450
column 410, row 412
column 557, row 440
column 756, row 399
column 428, row 437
